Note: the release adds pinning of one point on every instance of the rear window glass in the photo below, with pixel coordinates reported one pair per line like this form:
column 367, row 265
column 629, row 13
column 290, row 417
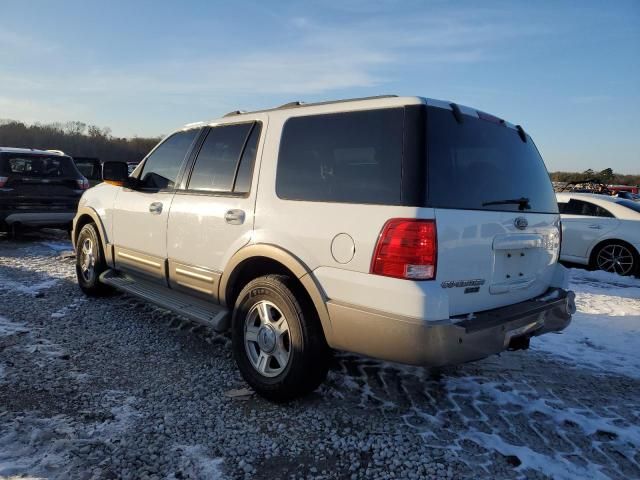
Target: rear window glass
column 91, row 169
column 353, row 157
column 479, row 162
column 37, row 166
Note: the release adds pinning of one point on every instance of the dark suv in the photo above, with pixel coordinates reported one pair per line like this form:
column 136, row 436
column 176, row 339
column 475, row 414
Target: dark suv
column 38, row 188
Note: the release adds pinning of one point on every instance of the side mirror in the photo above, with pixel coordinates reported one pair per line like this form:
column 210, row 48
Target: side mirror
column 115, row 173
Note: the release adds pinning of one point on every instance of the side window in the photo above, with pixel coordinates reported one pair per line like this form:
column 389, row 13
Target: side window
column 563, row 207
column 603, row 212
column 585, row 209
column 160, row 170
column 217, row 160
column 245, row 169
column 353, row 157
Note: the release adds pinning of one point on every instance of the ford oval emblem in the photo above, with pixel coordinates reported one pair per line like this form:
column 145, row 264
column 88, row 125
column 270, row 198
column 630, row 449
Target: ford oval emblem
column 521, row 223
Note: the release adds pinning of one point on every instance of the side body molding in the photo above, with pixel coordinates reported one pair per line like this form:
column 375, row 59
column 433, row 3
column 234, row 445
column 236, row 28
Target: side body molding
column 295, row 265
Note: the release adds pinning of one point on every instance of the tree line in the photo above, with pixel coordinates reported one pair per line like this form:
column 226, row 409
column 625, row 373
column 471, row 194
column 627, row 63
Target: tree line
column 606, row 176
column 75, row 139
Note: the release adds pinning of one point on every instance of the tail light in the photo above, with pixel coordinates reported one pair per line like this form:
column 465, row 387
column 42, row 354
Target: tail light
column 406, row 248
column 83, row 184
column 3, row 181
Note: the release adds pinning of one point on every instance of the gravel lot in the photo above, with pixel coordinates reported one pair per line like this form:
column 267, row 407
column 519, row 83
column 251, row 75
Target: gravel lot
column 115, row 388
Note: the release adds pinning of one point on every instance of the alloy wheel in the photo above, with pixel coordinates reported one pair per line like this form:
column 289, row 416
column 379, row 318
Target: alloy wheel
column 616, row 259
column 87, row 259
column 267, row 339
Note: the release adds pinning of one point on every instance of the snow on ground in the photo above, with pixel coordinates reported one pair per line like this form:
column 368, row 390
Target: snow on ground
column 62, row 246
column 26, row 289
column 605, row 331
column 8, row 328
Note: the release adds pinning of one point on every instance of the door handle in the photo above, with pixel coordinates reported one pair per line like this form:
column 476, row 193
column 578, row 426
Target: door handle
column 234, row 217
column 155, row 208
column 595, row 226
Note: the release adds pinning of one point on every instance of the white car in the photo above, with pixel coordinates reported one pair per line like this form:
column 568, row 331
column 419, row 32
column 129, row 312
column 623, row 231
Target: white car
column 407, row 229
column 600, row 231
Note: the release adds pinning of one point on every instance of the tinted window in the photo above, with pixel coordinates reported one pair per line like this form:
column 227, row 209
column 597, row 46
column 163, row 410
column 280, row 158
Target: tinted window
column 91, row 169
column 161, row 168
column 37, row 166
column 215, row 166
column 353, row 157
column 478, row 161
column 245, row 170
column 586, row 209
column 635, row 206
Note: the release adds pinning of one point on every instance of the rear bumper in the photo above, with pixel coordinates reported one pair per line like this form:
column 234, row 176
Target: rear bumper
column 36, row 219
column 452, row 341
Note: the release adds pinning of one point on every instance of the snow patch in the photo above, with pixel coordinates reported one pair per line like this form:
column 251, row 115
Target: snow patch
column 605, row 331
column 556, row 467
column 58, row 246
column 195, row 462
column 8, row 328
column 32, row 289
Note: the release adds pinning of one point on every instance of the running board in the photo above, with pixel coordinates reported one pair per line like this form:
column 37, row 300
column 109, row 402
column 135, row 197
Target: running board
column 200, row 311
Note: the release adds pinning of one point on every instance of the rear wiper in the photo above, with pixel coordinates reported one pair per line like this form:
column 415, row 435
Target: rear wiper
column 523, row 203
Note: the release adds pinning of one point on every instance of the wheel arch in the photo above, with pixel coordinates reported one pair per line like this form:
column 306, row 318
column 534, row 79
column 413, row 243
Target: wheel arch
column 87, row 215
column 261, row 259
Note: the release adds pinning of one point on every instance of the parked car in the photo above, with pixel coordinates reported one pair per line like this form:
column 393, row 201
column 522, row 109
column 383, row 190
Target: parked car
column 38, row 188
column 91, row 168
column 131, row 166
column 337, row 225
column 628, row 195
column 600, row 231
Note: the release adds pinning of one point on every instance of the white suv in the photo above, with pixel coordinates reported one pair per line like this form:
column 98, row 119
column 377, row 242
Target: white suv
column 403, row 228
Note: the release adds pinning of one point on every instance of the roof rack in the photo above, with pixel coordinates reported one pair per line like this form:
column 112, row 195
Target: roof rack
column 298, row 103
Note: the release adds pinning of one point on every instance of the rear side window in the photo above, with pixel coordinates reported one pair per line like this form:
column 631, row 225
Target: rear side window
column 585, row 209
column 161, row 168
column 38, row 166
column 352, row 157
column 215, row 167
column 481, row 165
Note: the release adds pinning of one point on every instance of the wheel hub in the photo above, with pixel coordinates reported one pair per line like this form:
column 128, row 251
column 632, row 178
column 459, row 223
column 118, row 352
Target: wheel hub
column 267, row 338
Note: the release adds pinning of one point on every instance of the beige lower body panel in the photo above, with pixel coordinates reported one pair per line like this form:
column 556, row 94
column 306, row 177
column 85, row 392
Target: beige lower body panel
column 197, row 281
column 140, row 263
column 418, row 342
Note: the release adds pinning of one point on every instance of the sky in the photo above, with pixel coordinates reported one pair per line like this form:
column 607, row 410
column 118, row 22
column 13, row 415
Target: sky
column 569, row 72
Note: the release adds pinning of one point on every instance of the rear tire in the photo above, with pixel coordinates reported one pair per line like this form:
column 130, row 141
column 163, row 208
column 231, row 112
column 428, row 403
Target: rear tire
column 616, row 257
column 278, row 342
column 90, row 262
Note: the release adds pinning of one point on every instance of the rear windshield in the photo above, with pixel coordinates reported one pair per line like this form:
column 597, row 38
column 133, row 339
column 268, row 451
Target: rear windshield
column 37, row 166
column 481, row 165
column 91, row 169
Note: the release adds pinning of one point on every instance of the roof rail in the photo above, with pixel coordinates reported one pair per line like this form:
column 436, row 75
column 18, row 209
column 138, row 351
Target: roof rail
column 298, row 103
column 234, row 112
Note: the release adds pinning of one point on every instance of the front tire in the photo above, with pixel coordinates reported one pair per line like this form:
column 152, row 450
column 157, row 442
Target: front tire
column 278, row 343
column 616, row 257
column 90, row 262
